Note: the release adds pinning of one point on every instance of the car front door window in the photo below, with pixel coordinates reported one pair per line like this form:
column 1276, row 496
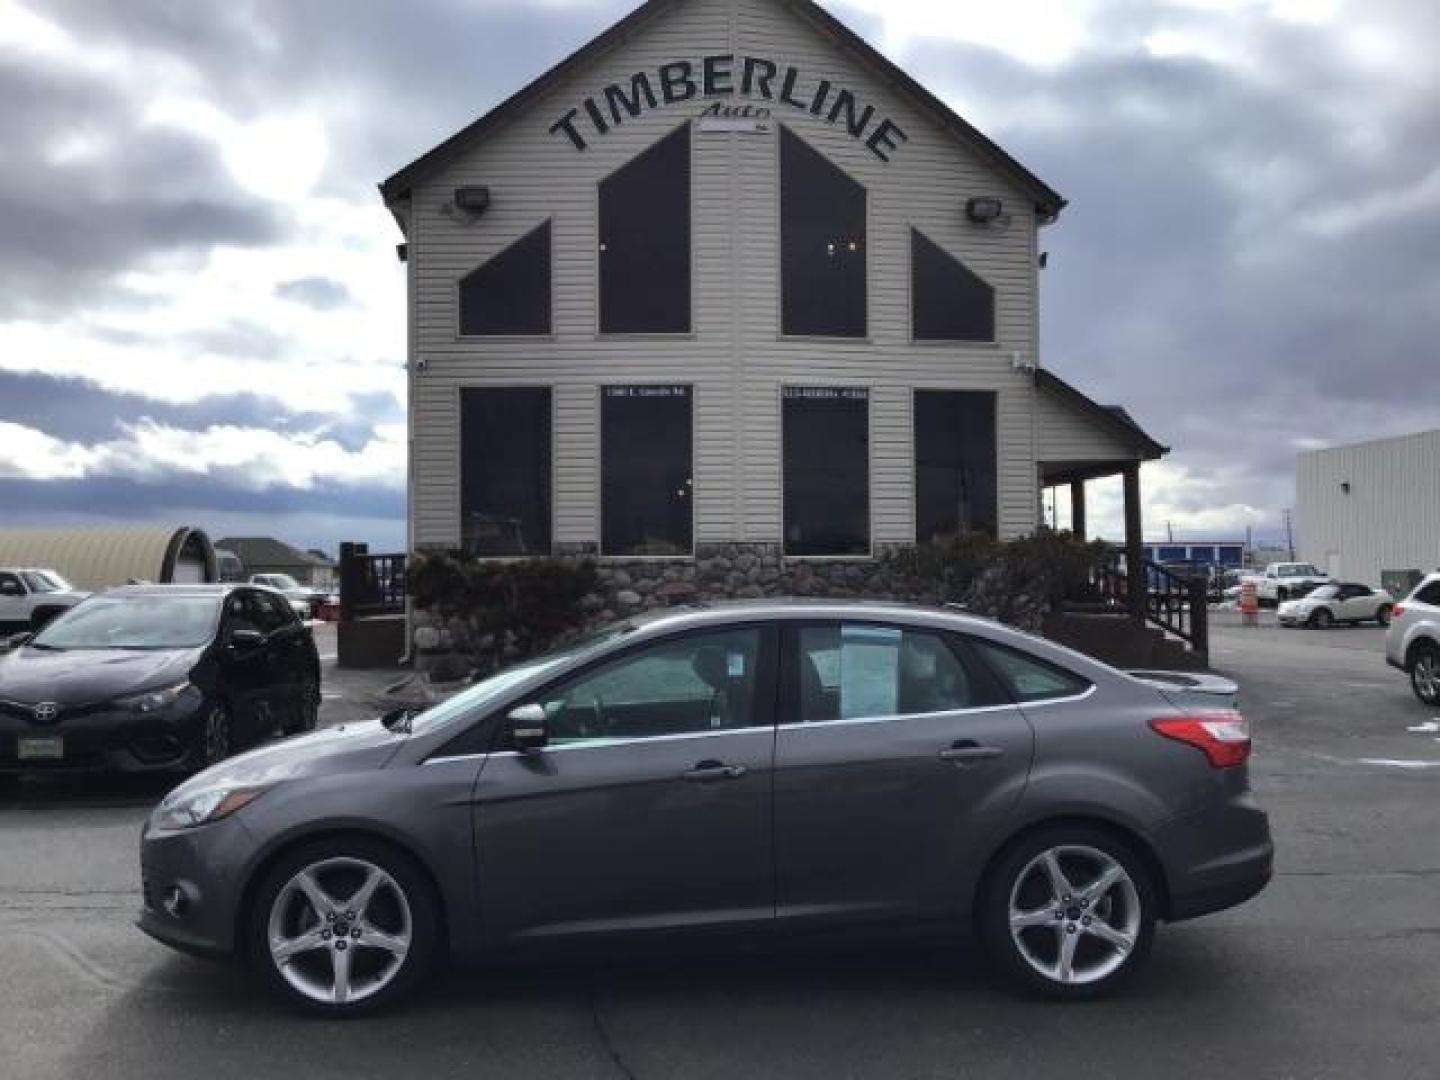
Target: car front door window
column 700, row 683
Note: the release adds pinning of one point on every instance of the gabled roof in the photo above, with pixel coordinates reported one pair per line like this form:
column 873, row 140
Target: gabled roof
column 267, row 551
column 1114, row 419
column 1047, row 201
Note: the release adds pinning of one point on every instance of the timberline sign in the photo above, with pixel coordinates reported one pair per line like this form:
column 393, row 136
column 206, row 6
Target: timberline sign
column 726, row 75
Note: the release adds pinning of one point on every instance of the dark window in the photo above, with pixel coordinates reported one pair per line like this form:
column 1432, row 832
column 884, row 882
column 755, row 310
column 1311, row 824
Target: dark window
column 269, row 613
column 827, row 471
column 822, row 244
column 10, row 585
column 955, row 466
column 645, row 474
column 1028, row 677
column 645, row 242
column 949, row 301
column 510, row 294
column 505, row 471
column 856, row 672
column 1430, row 594
column 701, row 682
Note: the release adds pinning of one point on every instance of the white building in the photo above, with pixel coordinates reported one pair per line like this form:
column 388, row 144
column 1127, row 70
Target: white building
column 727, row 276
column 1367, row 511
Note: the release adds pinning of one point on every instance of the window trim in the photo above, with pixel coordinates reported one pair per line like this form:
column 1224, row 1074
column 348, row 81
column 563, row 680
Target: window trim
column 602, row 555
column 867, row 338
column 788, row 681
column 871, row 555
column 596, row 319
column 926, row 388
column 458, row 461
column 993, row 343
column 510, row 338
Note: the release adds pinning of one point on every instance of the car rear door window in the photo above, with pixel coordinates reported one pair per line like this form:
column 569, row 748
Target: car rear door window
column 1028, row 677
column 698, row 683
column 1430, row 594
column 857, row 671
column 10, row 585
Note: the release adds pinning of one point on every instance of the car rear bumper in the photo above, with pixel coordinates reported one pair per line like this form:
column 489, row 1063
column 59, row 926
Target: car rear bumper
column 1216, row 859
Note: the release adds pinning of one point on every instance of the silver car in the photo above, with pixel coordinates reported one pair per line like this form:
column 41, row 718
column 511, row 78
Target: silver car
column 1338, row 602
column 1412, row 643
column 758, row 769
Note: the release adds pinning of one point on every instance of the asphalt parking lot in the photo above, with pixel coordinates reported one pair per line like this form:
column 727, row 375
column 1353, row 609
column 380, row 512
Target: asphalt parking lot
column 1333, row 972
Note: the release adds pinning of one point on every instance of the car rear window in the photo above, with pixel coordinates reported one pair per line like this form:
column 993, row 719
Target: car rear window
column 1428, row 594
column 1028, row 677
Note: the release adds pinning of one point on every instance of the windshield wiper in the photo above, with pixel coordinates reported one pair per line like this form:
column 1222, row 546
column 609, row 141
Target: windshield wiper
column 399, row 719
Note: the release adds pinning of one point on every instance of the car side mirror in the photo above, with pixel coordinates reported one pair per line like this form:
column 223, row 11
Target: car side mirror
column 529, row 728
column 245, row 639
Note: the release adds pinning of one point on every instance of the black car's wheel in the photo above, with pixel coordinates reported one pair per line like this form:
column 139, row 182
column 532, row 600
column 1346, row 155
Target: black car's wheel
column 1425, row 674
column 306, row 714
column 343, row 927
column 1383, row 615
column 217, row 736
column 1322, row 619
column 1068, row 913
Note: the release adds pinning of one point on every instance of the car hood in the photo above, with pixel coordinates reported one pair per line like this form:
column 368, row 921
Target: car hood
column 84, row 676
column 349, row 748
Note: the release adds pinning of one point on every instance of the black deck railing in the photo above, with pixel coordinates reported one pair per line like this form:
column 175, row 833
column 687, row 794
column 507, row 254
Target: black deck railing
column 1175, row 603
column 370, row 585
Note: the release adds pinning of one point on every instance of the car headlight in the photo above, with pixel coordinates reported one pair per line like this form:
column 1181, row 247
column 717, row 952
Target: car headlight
column 155, row 700
column 203, row 807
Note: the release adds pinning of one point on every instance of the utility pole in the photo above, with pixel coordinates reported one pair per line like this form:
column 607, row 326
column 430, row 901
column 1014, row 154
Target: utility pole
column 1290, row 533
column 1170, row 531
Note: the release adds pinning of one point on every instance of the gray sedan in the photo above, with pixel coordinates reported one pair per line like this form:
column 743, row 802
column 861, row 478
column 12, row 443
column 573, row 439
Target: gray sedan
column 761, row 769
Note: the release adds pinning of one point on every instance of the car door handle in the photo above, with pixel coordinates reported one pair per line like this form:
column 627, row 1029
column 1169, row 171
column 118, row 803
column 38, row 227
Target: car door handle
column 710, row 772
column 970, row 753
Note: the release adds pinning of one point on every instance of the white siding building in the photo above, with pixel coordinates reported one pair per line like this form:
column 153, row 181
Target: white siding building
column 1366, row 511
column 729, row 277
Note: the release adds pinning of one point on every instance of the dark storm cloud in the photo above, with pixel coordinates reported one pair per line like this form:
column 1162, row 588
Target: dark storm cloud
column 88, row 191
column 103, row 499
column 320, row 293
column 1199, row 275
column 75, row 410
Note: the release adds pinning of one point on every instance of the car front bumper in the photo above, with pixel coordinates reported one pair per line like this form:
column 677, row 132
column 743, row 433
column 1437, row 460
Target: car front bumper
column 191, row 885
column 106, row 740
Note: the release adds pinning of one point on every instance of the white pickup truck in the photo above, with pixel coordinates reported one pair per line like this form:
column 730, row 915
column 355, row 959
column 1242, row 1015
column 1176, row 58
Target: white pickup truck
column 24, row 590
column 1283, row 581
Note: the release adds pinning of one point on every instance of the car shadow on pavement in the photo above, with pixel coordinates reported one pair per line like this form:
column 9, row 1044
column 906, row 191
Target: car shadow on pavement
column 772, row 1013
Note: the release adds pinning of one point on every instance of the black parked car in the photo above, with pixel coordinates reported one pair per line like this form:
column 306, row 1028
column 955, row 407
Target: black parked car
column 155, row 678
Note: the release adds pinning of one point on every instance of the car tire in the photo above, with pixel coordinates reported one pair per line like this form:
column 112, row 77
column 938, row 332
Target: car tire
column 293, row 944
column 307, row 708
column 1043, row 932
column 1382, row 617
column 1322, row 619
column 216, row 739
column 1425, row 674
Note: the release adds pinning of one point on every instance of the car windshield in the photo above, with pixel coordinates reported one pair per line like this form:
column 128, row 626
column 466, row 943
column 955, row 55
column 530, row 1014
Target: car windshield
column 41, row 582
column 486, row 691
column 134, row 622
column 279, row 581
column 1326, row 592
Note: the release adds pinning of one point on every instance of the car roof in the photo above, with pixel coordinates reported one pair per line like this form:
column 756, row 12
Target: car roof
column 801, row 608
column 200, row 589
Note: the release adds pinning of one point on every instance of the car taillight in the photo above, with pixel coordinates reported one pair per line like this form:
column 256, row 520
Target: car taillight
column 1397, row 611
column 1224, row 736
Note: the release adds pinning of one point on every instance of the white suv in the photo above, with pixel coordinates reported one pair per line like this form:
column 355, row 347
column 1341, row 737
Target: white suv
column 24, row 590
column 1413, row 641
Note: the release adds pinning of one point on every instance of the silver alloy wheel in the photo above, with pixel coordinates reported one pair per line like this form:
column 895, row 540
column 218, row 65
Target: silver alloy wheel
column 1074, row 914
column 1427, row 677
column 217, row 735
column 340, row 930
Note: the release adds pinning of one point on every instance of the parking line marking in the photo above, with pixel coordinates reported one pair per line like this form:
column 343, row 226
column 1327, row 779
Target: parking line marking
column 329, row 658
column 1426, row 728
column 1397, row 764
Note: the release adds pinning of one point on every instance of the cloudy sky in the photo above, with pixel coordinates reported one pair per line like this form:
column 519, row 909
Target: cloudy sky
column 201, row 315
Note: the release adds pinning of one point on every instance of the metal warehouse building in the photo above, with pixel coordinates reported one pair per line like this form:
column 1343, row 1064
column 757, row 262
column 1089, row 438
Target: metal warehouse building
column 727, row 276
column 103, row 558
column 1372, row 511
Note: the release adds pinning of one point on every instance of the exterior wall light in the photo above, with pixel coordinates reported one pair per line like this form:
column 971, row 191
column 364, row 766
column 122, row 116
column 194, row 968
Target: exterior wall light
column 982, row 210
column 472, row 200
column 1345, row 486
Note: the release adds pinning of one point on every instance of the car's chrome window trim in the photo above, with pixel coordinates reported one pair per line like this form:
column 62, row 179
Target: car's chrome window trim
column 603, row 744
column 1091, row 689
column 801, row 725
